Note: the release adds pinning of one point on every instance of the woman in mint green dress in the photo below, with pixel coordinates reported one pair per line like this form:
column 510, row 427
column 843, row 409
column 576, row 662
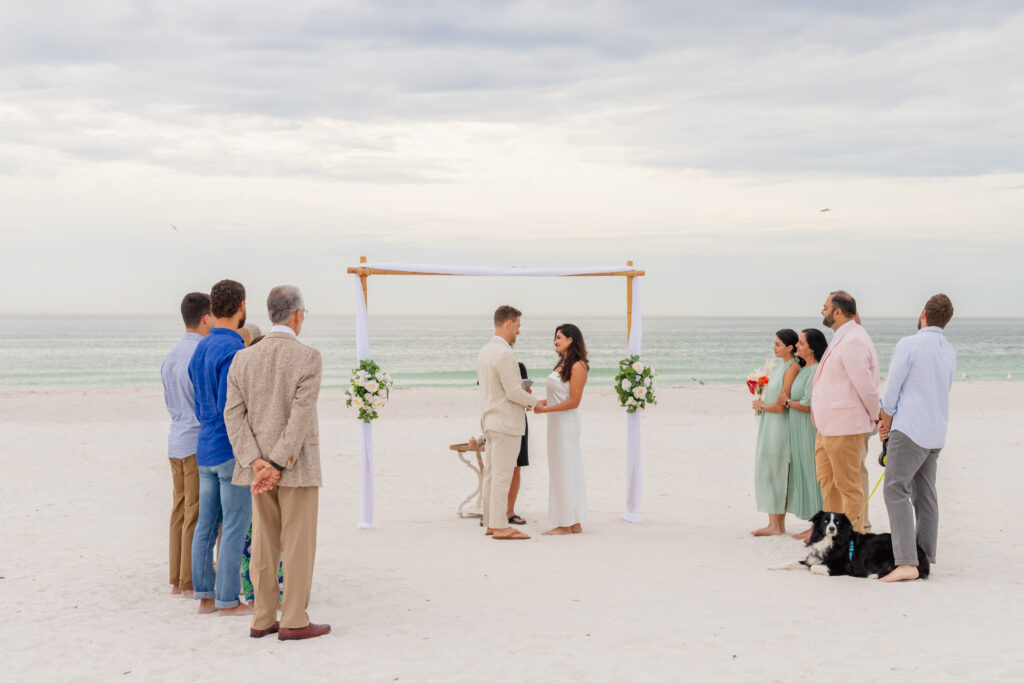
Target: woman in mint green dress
column 771, row 461
column 804, row 489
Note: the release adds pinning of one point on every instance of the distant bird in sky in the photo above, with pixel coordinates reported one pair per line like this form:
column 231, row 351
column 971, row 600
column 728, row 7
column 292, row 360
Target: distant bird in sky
column 697, row 380
column 824, row 210
column 174, row 227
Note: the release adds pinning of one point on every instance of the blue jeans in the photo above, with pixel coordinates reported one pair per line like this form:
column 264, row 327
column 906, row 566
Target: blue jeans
column 221, row 504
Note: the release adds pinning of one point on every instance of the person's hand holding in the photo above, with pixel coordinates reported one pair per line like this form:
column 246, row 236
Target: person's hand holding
column 758, row 405
column 885, row 425
column 266, row 476
column 266, row 480
column 540, row 407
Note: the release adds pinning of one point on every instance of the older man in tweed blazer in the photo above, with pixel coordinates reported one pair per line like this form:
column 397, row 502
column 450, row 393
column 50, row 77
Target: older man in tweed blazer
column 271, row 420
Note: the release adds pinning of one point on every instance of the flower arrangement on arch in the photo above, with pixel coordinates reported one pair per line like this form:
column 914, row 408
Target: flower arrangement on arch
column 370, row 390
column 635, row 384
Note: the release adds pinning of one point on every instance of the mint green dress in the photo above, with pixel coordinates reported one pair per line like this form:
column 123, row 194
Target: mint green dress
column 771, row 460
column 804, row 490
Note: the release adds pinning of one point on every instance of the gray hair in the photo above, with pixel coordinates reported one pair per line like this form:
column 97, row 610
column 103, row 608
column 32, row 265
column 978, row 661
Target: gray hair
column 282, row 302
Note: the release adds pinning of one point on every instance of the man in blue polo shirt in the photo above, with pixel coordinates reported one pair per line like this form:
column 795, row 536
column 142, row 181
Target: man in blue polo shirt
column 221, row 503
column 914, row 417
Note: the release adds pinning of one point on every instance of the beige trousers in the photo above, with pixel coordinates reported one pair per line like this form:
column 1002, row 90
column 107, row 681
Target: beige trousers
column 838, row 460
column 865, row 484
column 184, row 515
column 502, row 451
column 283, row 518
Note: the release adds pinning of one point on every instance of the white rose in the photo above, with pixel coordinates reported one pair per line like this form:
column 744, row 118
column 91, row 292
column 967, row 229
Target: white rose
column 647, row 382
column 638, row 367
column 357, row 402
column 752, row 377
column 372, row 386
column 640, row 392
column 378, row 403
column 626, row 386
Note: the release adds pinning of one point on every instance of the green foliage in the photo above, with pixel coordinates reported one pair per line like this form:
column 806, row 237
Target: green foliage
column 635, row 384
column 370, row 390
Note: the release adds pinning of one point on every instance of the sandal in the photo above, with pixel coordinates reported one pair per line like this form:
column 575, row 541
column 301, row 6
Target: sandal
column 516, row 519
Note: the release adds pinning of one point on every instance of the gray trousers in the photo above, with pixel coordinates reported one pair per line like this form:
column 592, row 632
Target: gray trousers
column 909, row 489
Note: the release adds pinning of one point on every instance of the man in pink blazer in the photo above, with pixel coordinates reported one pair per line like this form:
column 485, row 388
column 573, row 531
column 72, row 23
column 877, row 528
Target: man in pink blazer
column 844, row 407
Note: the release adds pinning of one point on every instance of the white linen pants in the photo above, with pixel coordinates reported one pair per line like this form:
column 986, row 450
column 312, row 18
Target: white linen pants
column 502, row 451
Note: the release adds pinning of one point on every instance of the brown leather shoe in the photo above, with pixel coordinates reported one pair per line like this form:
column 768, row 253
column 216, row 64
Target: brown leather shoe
column 311, row 631
column 260, row 632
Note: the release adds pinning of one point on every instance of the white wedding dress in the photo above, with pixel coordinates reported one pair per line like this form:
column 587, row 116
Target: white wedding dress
column 567, row 491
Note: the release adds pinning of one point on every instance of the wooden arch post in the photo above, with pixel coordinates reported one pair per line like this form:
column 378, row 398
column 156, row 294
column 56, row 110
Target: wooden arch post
column 629, row 303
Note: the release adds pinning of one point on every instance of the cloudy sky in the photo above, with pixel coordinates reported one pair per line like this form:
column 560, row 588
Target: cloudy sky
column 701, row 140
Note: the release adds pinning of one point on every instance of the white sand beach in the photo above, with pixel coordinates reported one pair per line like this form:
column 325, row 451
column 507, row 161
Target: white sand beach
column 426, row 597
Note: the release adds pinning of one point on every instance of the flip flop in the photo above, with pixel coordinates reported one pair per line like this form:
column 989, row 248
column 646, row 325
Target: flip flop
column 517, row 536
column 516, row 519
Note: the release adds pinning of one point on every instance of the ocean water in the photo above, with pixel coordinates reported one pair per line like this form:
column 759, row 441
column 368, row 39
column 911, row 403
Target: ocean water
column 435, row 351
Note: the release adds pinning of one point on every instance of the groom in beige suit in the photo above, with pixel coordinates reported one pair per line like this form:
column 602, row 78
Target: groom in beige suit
column 503, row 401
column 271, row 420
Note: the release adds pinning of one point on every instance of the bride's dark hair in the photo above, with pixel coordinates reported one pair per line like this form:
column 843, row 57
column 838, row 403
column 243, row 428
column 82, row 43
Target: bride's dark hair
column 577, row 350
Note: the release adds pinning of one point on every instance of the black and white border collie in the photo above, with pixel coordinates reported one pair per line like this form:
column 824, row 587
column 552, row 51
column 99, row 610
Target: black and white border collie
column 835, row 549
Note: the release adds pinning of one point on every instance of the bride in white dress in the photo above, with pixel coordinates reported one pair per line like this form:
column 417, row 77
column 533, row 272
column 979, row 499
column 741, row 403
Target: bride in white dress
column 567, row 491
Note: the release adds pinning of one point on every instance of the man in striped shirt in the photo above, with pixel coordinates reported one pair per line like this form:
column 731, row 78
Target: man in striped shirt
column 182, row 440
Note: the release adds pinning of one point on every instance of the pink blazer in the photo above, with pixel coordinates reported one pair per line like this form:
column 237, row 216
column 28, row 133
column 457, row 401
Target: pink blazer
column 844, row 398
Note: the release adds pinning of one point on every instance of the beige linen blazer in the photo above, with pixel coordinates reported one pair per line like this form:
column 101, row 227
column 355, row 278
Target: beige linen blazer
column 270, row 411
column 503, row 400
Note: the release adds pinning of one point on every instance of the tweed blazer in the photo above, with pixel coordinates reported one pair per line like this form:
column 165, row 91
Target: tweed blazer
column 503, row 400
column 271, row 409
column 845, row 388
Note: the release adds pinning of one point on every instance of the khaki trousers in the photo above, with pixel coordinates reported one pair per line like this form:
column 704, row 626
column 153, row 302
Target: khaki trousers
column 502, row 452
column 865, row 484
column 838, row 460
column 283, row 518
column 184, row 514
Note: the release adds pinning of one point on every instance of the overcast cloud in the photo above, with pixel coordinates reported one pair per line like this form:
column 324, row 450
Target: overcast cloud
column 285, row 139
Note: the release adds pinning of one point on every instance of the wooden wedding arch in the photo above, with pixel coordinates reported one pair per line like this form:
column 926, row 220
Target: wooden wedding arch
column 634, row 335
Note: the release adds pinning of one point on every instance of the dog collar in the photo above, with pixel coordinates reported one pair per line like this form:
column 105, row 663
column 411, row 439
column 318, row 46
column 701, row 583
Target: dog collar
column 851, row 550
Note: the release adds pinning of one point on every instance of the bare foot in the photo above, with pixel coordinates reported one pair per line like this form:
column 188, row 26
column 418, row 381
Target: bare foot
column 236, row 611
column 489, row 532
column 175, row 589
column 558, row 531
column 186, row 593
column 804, row 536
column 252, row 604
column 904, row 572
column 206, row 606
column 768, row 531
column 577, row 528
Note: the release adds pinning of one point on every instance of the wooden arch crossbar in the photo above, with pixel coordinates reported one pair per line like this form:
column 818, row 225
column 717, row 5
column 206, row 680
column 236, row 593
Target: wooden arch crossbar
column 364, row 272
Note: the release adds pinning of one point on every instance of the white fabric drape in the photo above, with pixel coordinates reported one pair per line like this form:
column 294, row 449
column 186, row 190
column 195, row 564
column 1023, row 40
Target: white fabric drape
column 634, row 444
column 634, row 457
column 365, row 429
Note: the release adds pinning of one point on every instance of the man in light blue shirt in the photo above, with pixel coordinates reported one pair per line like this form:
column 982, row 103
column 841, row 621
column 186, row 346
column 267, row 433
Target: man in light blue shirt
column 182, row 439
column 914, row 417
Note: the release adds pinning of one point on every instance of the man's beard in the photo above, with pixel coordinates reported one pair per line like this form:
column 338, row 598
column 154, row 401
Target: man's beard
column 828, row 320
column 241, row 323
